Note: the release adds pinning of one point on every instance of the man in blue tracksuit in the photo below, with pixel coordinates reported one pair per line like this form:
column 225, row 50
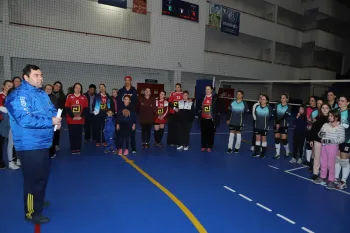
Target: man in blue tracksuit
column 128, row 89
column 32, row 120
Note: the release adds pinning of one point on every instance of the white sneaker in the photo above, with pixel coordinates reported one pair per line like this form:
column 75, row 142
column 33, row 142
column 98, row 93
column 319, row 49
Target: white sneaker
column 300, row 161
column 180, row 148
column 293, row 160
column 252, row 148
column 13, row 166
column 57, row 148
column 18, row 162
column 186, row 148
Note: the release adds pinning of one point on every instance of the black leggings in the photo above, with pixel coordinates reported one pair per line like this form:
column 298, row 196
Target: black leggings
column 207, row 132
column 75, row 136
column 298, row 145
column 184, row 133
column 146, row 132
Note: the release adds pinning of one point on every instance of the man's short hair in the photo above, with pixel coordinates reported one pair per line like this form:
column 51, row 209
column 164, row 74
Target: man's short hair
column 28, row 69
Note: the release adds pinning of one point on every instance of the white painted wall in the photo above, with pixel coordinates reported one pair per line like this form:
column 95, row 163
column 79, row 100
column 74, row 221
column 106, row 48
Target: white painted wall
column 291, row 5
column 329, row 7
column 2, row 69
column 112, row 76
column 326, row 40
column 83, row 16
column 242, row 45
column 317, row 74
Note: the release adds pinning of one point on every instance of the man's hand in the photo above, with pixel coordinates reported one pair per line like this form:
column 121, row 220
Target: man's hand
column 133, row 127
column 59, row 127
column 56, row 121
column 117, row 127
column 277, row 126
column 228, row 122
column 126, row 113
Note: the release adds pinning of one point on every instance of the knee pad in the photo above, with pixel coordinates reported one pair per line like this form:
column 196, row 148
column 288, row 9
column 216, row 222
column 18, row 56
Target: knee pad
column 344, row 162
column 277, row 140
column 284, row 142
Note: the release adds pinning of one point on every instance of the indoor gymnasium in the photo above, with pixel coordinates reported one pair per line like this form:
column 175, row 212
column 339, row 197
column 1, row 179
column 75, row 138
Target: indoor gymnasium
column 170, row 116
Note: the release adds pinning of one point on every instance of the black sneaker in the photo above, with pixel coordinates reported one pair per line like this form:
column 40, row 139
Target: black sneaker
column 262, row 155
column 276, row 156
column 2, row 165
column 229, row 151
column 255, row 155
column 314, row 177
column 236, row 151
column 39, row 219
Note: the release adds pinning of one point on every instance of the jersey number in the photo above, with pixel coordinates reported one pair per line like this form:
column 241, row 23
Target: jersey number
column 103, row 106
column 160, row 111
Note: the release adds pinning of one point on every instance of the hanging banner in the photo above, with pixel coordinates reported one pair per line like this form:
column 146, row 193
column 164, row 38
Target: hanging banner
column 230, row 21
column 140, row 6
column 215, row 11
column 117, row 3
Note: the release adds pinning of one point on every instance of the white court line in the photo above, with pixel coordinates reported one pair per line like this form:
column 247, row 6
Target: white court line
column 274, row 167
column 342, row 191
column 307, row 230
column 294, row 169
column 264, row 207
column 247, row 198
column 228, row 188
column 287, row 219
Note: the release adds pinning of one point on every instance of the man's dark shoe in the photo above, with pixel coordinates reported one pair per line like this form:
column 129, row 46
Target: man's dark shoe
column 39, row 219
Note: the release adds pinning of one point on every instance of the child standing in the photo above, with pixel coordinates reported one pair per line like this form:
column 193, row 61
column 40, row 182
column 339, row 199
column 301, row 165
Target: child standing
column 125, row 125
column 299, row 136
column 109, row 132
column 332, row 134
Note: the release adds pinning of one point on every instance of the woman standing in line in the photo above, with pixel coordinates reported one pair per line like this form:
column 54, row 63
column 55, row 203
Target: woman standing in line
column 160, row 119
column 5, row 130
column 126, row 124
column 208, row 119
column 185, row 114
column 342, row 160
column 147, row 107
column 309, row 121
column 48, row 89
column 76, row 109
column 100, row 105
column 173, row 100
column 263, row 114
column 61, row 99
column 235, row 121
column 282, row 112
column 315, row 140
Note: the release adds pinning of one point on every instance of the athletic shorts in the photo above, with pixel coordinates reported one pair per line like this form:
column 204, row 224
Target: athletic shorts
column 281, row 130
column 344, row 147
column 261, row 132
column 235, row 128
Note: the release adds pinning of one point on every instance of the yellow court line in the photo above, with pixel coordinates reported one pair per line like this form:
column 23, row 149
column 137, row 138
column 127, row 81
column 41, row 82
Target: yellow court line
column 184, row 209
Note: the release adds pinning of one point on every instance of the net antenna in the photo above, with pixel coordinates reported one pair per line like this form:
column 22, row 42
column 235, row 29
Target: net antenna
column 299, row 90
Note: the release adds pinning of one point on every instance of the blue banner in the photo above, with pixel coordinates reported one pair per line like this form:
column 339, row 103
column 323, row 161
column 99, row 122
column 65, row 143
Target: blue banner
column 117, row 3
column 230, row 20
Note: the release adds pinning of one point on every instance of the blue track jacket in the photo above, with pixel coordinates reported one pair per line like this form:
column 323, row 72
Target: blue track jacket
column 31, row 112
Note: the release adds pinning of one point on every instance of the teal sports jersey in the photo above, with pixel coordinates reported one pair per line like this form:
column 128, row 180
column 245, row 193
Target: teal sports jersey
column 281, row 114
column 263, row 117
column 237, row 111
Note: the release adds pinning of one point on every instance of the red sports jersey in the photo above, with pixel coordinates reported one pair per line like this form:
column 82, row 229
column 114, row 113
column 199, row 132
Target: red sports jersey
column 77, row 105
column 2, row 101
column 103, row 105
column 174, row 98
column 162, row 110
column 206, row 107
